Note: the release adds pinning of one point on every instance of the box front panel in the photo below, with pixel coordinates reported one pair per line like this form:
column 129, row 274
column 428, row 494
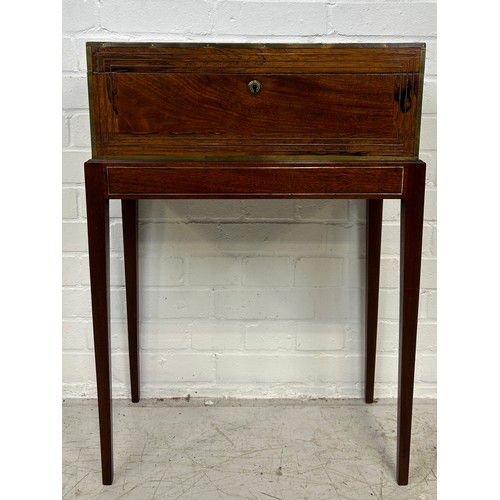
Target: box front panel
column 263, row 101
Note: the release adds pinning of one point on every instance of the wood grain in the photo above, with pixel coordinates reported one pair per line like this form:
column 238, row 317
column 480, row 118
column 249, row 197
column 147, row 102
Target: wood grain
column 253, row 180
column 318, row 100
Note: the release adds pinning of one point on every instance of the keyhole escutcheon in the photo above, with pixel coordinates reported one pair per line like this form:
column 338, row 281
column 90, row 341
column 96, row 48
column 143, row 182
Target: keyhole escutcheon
column 254, row 87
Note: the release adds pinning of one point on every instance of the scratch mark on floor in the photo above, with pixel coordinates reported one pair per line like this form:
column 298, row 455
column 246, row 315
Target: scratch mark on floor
column 158, row 485
column 272, row 496
column 327, row 474
column 219, row 490
column 191, row 486
column 279, row 470
column 75, row 485
column 128, row 491
column 367, row 483
column 223, row 435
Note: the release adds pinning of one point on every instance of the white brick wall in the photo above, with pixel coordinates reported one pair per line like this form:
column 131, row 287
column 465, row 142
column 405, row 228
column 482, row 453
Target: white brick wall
column 244, row 298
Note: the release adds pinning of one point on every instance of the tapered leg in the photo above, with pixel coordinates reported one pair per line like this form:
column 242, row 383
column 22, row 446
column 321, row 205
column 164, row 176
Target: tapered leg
column 412, row 214
column 129, row 221
column 98, row 237
column 373, row 240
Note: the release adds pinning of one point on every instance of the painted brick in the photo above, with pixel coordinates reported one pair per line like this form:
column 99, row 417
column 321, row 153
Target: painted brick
column 434, row 240
column 178, row 303
column 173, row 368
column 267, row 271
column 350, row 369
column 76, row 303
column 430, row 305
column 91, row 36
column 269, row 209
column 427, row 367
column 214, row 209
column 69, row 55
column 390, row 239
column 116, row 237
column 69, row 204
column 177, row 368
column 217, row 336
column 427, row 337
column 271, row 238
column 156, row 16
column 430, row 158
column 165, row 335
column 265, row 369
column 78, row 15
column 80, row 202
column 355, row 272
column 75, row 334
column 74, row 92
column 392, row 211
column 79, row 368
column 338, row 304
column 318, row 271
column 214, row 271
column 80, row 130
column 431, row 58
column 430, row 206
column 387, row 336
column 259, row 304
column 260, row 18
column 428, row 134
column 386, row 369
column 270, row 336
column 322, row 210
column 389, row 304
column 65, row 131
column 117, row 310
column 157, row 269
column 342, row 241
column 389, row 273
column 429, row 103
column 357, row 210
column 181, row 240
column 384, row 18
column 428, row 277
column 72, row 166
column 74, row 237
column 164, row 210
column 309, row 369
column 73, row 269
column 319, row 336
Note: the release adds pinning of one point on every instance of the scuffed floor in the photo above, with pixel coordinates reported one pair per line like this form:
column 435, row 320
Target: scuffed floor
column 241, row 449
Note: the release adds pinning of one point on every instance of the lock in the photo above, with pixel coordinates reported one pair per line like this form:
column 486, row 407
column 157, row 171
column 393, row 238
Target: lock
column 254, row 87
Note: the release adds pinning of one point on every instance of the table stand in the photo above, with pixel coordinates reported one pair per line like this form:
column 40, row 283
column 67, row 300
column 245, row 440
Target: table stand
column 143, row 150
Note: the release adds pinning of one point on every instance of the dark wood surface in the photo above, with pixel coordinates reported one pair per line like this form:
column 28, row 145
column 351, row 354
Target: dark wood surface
column 129, row 223
column 412, row 219
column 373, row 244
column 330, row 121
column 98, row 237
column 167, row 100
column 254, row 179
